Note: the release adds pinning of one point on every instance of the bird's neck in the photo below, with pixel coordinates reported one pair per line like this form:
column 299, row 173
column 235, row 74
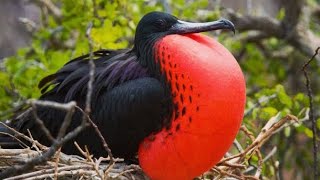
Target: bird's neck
column 208, row 93
column 145, row 50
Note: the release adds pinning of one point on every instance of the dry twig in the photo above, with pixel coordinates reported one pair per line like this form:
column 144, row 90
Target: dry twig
column 311, row 114
column 230, row 166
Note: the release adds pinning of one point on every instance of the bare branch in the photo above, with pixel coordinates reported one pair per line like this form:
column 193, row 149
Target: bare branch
column 292, row 29
column 40, row 122
column 66, row 122
column 51, row 7
column 18, row 169
column 267, row 25
column 52, row 104
column 89, row 94
column 92, row 69
column 16, row 133
column 311, row 114
column 292, row 14
column 223, row 168
column 261, row 100
column 166, row 6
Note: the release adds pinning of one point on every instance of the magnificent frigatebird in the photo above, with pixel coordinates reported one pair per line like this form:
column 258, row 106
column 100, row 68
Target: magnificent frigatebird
column 176, row 99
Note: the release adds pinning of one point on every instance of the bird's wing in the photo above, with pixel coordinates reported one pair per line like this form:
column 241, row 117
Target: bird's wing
column 127, row 104
column 111, row 69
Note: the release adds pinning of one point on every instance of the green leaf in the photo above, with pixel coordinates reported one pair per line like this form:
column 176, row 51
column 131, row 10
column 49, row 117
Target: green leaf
column 281, row 14
column 287, row 131
column 283, row 97
column 268, row 112
column 308, row 132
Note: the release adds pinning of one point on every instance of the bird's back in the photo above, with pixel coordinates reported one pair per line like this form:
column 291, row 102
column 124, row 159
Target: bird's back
column 127, row 104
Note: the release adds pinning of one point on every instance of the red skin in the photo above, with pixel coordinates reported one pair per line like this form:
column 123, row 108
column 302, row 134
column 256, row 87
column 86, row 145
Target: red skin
column 208, row 73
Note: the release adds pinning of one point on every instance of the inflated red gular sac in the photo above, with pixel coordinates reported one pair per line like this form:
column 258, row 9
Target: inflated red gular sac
column 176, row 99
column 208, row 91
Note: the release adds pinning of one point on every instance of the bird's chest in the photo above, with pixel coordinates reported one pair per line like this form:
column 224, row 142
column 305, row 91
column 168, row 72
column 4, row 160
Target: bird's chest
column 208, row 95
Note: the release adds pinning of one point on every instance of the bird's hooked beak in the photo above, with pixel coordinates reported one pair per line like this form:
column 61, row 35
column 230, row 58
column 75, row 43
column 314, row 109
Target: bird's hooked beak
column 183, row 27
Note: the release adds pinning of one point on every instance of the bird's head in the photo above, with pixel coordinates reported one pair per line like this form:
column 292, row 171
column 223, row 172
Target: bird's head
column 156, row 25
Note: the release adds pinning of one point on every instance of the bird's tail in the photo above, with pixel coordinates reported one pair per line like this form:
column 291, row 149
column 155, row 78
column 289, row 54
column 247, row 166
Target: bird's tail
column 7, row 138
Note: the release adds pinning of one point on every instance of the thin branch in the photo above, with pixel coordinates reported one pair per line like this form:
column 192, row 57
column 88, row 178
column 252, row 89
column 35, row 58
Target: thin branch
column 56, row 165
column 52, row 104
column 40, row 122
column 48, row 171
column 19, row 169
column 166, row 6
column 66, row 122
column 311, row 114
column 104, row 143
column 92, row 69
column 24, row 136
column 260, row 162
column 89, row 94
column 51, row 7
column 268, row 156
column 263, row 136
column 260, row 101
column 238, row 145
column 14, row 137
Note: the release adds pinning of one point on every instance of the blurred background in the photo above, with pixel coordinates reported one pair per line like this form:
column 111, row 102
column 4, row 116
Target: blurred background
column 274, row 39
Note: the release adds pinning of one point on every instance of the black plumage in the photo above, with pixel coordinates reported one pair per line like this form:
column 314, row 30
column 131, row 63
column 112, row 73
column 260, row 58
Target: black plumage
column 127, row 103
column 131, row 97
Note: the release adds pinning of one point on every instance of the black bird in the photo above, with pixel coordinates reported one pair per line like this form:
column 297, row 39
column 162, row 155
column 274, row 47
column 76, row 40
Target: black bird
column 133, row 94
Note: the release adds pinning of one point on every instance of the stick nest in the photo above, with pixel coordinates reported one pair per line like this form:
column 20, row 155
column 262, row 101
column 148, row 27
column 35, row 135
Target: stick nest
column 64, row 166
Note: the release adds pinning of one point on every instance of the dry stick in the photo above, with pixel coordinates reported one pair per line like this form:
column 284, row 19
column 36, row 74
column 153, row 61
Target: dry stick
column 228, row 164
column 96, row 168
column 40, row 122
column 54, row 9
column 16, row 152
column 311, row 114
column 306, row 118
column 225, row 173
column 247, row 132
column 79, row 149
column 52, row 104
column 268, row 156
column 33, row 145
column 264, row 135
column 56, row 165
column 76, row 174
column 18, row 169
column 261, row 100
column 49, row 171
column 89, row 94
column 24, row 136
column 66, row 122
column 105, row 145
column 166, row 6
column 237, row 145
column 14, row 137
column 92, row 70
column 260, row 161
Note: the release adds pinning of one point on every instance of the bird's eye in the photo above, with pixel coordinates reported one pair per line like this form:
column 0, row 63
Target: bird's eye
column 160, row 23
